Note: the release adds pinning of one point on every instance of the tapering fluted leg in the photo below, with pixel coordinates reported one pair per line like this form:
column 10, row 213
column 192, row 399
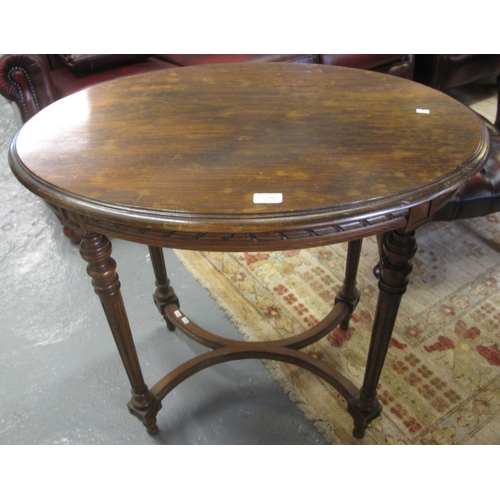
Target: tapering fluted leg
column 349, row 294
column 164, row 294
column 395, row 268
column 96, row 250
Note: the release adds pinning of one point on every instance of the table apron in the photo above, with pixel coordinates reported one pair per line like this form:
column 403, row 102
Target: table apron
column 337, row 232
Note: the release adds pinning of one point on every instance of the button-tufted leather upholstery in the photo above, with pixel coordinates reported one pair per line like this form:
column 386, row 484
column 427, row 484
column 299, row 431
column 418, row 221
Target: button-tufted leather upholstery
column 23, row 80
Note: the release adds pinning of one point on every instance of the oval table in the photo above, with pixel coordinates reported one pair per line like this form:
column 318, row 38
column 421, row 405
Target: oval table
column 250, row 157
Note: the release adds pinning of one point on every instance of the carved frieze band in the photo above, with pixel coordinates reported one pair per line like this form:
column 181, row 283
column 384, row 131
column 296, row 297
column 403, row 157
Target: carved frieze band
column 342, row 230
column 287, row 238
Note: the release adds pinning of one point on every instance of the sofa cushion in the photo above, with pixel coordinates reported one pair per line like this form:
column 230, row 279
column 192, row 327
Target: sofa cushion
column 84, row 63
column 394, row 64
column 195, row 59
column 67, row 82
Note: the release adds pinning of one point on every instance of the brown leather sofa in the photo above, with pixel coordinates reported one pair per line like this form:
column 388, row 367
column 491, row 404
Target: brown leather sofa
column 447, row 71
column 480, row 195
column 32, row 82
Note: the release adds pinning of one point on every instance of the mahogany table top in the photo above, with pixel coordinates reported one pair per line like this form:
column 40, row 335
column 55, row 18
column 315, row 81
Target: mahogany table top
column 250, row 147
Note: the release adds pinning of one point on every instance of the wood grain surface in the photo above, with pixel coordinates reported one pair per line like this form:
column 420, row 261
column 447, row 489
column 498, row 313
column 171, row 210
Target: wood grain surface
column 191, row 146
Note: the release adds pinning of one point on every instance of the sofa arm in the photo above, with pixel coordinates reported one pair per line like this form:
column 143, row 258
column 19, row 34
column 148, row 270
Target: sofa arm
column 480, row 195
column 446, row 71
column 25, row 80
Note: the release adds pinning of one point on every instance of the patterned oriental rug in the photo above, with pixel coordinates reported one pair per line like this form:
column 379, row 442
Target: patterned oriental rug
column 441, row 379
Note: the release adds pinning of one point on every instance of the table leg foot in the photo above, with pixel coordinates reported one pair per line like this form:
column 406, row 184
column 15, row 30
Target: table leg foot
column 363, row 411
column 145, row 407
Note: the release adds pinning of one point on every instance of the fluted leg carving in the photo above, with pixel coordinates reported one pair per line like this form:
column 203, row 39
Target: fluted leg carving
column 348, row 293
column 395, row 269
column 96, row 250
column 164, row 294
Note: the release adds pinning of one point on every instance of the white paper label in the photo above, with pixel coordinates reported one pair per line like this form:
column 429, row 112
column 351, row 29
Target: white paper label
column 178, row 314
column 185, row 320
column 423, row 111
column 268, row 198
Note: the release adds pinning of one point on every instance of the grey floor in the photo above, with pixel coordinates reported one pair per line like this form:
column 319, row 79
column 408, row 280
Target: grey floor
column 62, row 381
